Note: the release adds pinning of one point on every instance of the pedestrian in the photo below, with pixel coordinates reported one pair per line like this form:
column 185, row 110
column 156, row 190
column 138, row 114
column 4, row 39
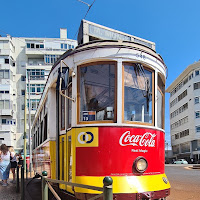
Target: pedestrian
column 20, row 160
column 4, row 165
column 13, row 162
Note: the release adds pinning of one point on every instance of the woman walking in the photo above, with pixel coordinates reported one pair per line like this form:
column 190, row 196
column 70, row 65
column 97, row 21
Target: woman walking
column 4, row 164
column 13, row 162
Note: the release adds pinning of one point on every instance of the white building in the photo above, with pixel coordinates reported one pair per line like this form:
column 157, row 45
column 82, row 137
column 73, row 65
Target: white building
column 18, row 58
column 185, row 113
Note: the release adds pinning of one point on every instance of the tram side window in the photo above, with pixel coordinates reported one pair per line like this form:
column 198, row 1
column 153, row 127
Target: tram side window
column 62, row 107
column 45, row 127
column 38, row 138
column 41, row 132
column 160, row 102
column 69, row 106
column 97, row 92
column 33, row 146
column 137, row 93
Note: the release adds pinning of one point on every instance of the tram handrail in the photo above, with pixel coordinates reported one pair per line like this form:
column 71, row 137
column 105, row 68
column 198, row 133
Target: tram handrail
column 75, row 184
column 106, row 189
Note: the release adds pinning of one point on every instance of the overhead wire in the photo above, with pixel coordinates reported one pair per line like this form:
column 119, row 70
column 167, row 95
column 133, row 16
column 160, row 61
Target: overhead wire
column 89, row 7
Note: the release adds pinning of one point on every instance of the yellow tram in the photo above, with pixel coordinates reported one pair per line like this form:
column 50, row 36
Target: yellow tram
column 102, row 114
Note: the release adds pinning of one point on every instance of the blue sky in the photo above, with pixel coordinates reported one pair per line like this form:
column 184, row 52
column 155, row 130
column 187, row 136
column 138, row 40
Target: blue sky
column 173, row 25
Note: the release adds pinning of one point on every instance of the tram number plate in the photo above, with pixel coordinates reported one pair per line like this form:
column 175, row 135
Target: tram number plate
column 89, row 115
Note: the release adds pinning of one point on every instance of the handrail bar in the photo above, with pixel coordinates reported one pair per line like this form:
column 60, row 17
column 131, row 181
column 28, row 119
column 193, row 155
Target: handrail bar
column 75, row 184
column 53, row 191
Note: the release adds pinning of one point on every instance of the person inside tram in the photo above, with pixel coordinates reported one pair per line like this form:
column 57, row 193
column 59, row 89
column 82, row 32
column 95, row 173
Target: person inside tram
column 94, row 106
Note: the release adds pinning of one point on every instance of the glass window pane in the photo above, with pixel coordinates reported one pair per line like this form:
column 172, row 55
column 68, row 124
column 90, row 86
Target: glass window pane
column 6, row 74
column 1, row 104
column 159, row 111
column 1, row 74
column 97, row 92
column 6, row 104
column 137, row 93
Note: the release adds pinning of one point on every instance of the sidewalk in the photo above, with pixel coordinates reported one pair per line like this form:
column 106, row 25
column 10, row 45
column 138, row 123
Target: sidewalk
column 9, row 192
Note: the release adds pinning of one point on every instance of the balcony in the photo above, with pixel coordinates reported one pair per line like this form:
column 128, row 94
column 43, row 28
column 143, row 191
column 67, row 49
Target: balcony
column 6, row 112
column 50, row 51
column 6, row 96
column 5, row 52
column 7, row 128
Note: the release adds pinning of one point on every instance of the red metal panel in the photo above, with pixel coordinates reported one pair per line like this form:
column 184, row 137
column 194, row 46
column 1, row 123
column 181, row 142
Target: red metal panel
column 118, row 148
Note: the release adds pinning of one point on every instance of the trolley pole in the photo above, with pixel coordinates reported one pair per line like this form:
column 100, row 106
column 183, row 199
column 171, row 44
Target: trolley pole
column 30, row 143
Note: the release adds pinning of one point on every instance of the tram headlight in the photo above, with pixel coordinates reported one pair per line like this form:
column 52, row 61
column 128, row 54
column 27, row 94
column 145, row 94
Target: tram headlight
column 140, row 165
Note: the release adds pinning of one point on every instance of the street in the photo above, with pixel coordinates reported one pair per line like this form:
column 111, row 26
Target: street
column 185, row 182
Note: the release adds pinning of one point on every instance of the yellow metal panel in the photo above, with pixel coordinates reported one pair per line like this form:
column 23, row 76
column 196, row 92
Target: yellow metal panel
column 62, row 162
column 53, row 158
column 69, row 133
column 125, row 184
column 87, row 137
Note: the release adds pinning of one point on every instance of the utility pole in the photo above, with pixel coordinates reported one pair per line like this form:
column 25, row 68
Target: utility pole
column 25, row 131
column 30, row 146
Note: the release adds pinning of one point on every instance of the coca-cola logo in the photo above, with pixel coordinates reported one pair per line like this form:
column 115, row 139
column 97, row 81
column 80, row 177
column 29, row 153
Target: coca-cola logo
column 145, row 140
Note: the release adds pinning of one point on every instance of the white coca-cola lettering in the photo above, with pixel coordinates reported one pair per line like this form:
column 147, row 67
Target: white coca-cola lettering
column 146, row 140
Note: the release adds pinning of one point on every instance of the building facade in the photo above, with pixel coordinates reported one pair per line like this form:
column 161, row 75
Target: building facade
column 185, row 113
column 24, row 67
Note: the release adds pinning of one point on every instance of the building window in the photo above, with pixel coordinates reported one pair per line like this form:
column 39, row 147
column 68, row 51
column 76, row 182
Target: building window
column 23, row 78
column 197, row 114
column 196, row 72
column 4, row 104
column 23, row 106
column 4, row 74
column 196, row 85
column 36, row 74
column 198, row 129
column 176, row 136
column 63, row 46
column 3, row 121
column 51, row 59
column 35, row 89
column 196, row 100
column 185, row 147
column 182, row 95
column 34, row 104
column 184, row 133
column 22, row 92
column 6, row 61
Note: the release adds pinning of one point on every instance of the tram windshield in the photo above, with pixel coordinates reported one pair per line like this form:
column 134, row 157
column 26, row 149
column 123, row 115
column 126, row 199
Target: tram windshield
column 137, row 93
column 97, row 92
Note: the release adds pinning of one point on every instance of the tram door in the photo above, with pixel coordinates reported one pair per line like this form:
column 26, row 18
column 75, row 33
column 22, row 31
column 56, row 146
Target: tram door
column 69, row 137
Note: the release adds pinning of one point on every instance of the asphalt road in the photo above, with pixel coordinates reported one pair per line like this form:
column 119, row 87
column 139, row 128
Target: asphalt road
column 185, row 182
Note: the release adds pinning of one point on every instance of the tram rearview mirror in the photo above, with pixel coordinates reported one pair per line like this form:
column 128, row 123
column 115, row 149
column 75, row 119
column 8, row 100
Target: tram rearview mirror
column 65, row 78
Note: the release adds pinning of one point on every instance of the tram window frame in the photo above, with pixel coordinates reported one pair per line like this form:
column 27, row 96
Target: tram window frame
column 161, row 89
column 114, row 120
column 148, row 68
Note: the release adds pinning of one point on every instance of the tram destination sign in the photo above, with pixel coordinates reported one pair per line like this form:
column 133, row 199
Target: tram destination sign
column 89, row 31
column 98, row 32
